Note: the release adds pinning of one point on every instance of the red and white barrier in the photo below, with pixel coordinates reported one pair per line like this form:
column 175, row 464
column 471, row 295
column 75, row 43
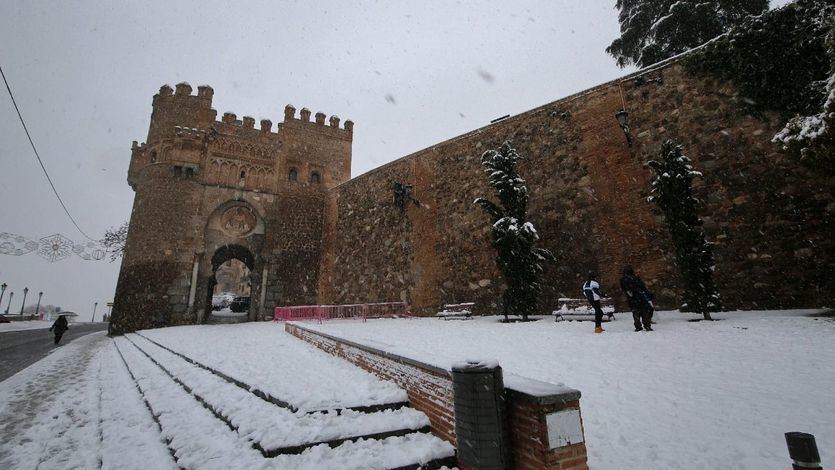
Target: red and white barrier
column 331, row 312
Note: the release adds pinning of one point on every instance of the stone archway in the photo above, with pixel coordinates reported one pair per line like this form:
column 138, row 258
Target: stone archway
column 235, row 230
column 220, row 258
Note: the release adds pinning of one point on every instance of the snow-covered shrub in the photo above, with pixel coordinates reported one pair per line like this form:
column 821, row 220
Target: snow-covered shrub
column 672, row 191
column 519, row 261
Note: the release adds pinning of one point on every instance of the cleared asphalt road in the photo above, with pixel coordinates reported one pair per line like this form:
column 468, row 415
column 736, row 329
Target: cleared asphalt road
column 19, row 349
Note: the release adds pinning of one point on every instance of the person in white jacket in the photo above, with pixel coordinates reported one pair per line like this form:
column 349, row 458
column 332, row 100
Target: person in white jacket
column 591, row 290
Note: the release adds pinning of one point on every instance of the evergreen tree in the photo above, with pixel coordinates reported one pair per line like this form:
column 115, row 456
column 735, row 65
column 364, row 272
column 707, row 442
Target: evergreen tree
column 811, row 138
column 654, row 30
column 520, row 263
column 672, row 190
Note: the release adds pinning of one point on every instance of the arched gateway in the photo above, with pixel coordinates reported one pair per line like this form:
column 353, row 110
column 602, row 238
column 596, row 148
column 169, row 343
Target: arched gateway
column 208, row 192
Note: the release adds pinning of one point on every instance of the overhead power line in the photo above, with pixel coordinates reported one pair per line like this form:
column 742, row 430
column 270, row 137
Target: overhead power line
column 38, row 156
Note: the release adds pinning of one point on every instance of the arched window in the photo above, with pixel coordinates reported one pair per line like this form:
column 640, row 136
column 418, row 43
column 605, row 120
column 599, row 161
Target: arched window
column 153, row 156
column 315, row 178
column 294, row 175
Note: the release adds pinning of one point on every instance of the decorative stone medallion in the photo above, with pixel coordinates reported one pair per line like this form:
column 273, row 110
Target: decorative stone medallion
column 238, row 221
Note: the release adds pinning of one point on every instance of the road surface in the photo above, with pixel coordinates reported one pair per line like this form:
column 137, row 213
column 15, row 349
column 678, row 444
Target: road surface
column 20, row 349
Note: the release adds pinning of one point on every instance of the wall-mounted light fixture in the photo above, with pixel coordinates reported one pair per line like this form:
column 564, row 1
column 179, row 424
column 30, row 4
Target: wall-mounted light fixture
column 623, row 120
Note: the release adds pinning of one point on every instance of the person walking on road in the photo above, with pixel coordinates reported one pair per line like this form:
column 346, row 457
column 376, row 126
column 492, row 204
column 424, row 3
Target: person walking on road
column 638, row 297
column 591, row 289
column 59, row 327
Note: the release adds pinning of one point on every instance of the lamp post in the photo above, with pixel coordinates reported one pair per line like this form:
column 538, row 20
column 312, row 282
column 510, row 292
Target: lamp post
column 95, row 304
column 9, row 305
column 22, row 304
column 2, row 291
column 38, row 308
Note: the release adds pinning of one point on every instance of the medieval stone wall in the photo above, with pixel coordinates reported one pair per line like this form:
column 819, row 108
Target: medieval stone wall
column 315, row 237
column 770, row 219
column 210, row 191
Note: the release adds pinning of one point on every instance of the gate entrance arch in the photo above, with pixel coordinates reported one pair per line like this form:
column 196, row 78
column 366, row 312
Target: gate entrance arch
column 234, row 231
column 240, row 286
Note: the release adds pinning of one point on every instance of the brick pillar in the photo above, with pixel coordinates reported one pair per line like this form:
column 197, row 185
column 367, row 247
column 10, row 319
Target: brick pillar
column 546, row 427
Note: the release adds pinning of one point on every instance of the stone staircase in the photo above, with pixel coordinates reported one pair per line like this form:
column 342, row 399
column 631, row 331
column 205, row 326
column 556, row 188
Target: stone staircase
column 208, row 420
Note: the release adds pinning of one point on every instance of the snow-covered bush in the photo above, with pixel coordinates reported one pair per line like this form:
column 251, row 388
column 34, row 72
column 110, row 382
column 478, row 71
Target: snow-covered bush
column 519, row 261
column 672, row 191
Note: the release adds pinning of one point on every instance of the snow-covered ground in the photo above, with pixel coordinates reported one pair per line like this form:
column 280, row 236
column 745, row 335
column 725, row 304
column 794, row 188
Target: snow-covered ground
column 687, row 396
column 128, row 403
column 263, row 356
column 25, row 325
column 34, row 325
column 703, row 395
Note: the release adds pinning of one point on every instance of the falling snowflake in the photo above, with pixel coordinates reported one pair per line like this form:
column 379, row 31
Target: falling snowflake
column 55, row 248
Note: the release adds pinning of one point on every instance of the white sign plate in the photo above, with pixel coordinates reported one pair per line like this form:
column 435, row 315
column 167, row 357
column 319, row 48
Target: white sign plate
column 564, row 428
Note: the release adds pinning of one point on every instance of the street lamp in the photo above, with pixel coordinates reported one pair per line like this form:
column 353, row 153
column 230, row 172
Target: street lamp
column 2, row 291
column 22, row 304
column 9, row 305
column 38, row 308
column 93, row 320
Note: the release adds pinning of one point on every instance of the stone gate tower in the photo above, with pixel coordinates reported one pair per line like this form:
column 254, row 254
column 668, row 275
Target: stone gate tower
column 210, row 191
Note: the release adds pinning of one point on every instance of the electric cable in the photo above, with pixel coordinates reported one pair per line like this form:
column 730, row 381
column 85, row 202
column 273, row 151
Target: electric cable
column 38, row 156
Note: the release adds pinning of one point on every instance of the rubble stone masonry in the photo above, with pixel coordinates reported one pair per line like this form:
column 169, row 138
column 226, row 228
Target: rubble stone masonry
column 279, row 199
column 771, row 220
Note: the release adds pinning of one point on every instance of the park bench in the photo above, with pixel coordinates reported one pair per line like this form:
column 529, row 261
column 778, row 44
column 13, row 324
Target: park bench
column 461, row 311
column 580, row 310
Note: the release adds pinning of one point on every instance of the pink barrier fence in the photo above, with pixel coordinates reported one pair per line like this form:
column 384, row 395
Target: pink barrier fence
column 330, row 312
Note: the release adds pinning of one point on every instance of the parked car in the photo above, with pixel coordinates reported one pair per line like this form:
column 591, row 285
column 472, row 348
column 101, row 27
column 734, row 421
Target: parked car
column 221, row 301
column 3, row 319
column 240, row 304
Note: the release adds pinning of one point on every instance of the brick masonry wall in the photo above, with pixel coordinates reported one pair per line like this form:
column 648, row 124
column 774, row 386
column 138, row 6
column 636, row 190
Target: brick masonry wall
column 430, row 390
column 771, row 220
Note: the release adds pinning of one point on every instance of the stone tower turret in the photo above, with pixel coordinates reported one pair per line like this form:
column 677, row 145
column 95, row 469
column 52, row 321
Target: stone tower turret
column 210, row 191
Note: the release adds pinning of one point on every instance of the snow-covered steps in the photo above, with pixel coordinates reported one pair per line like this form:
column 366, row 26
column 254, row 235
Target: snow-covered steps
column 266, row 356
column 196, row 437
column 200, row 408
column 276, row 430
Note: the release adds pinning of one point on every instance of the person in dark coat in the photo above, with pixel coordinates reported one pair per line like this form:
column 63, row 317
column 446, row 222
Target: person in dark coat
column 638, row 297
column 591, row 289
column 59, row 327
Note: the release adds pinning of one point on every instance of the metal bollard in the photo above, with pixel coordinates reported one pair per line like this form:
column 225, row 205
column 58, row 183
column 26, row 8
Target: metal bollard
column 803, row 451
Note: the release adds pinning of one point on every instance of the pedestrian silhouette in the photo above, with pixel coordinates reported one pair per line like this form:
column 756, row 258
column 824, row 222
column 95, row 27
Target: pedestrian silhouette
column 59, row 327
column 638, row 297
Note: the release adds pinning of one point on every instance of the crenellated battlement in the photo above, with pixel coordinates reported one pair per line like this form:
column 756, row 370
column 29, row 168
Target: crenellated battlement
column 303, row 150
column 319, row 119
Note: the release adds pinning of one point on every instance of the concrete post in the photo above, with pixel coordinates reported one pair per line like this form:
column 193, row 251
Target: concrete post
column 192, row 292
column 263, row 294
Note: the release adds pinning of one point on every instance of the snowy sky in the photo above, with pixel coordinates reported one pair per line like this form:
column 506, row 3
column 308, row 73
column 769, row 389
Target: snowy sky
column 409, row 74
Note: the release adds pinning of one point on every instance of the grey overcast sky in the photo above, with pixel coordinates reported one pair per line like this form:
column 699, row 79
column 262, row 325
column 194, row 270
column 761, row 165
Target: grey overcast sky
column 408, row 73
